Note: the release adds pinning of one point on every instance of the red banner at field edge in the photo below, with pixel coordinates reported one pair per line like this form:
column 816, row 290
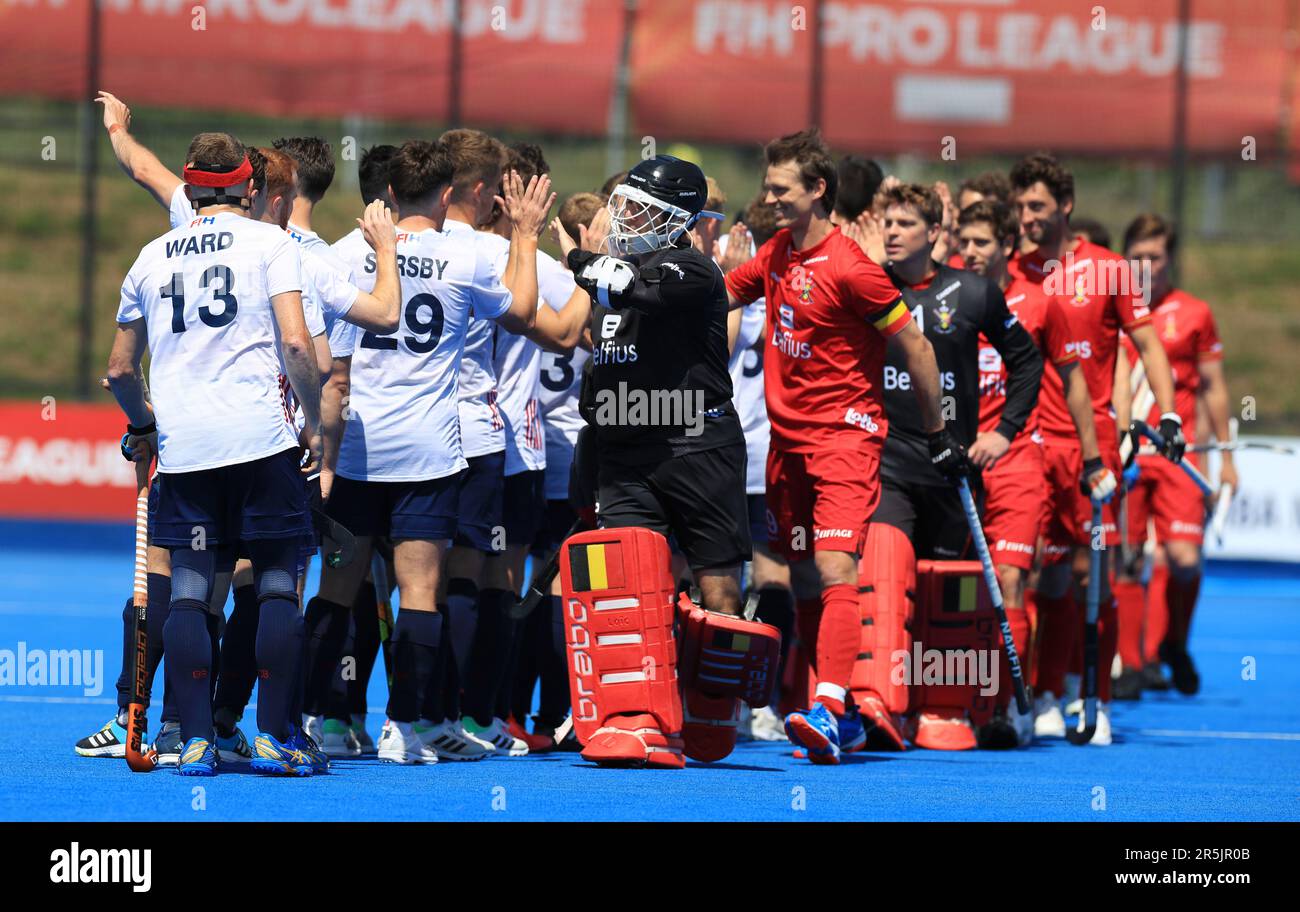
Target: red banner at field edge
column 64, row 461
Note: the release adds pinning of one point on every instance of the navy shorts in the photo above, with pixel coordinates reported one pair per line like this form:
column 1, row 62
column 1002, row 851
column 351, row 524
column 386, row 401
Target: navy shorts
column 759, row 528
column 557, row 520
column 524, row 506
column 400, row 509
column 264, row 498
column 153, row 503
column 481, row 502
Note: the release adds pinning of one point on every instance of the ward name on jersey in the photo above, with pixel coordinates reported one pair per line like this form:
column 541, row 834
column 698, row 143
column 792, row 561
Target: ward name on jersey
column 953, row 309
column 829, row 311
column 403, row 423
column 204, row 290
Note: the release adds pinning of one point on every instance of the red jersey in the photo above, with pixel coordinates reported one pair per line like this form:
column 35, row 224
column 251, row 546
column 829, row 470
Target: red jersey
column 829, row 311
column 1186, row 329
column 1095, row 289
column 1042, row 318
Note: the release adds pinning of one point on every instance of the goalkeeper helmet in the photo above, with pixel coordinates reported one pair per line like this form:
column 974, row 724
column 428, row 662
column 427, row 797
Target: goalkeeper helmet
column 658, row 202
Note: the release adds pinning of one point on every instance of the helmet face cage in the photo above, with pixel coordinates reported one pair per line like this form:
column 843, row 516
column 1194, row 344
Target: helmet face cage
column 640, row 223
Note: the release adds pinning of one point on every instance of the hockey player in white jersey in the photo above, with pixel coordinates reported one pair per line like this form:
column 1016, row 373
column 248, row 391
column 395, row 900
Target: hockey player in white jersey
column 207, row 300
column 400, row 457
column 515, row 361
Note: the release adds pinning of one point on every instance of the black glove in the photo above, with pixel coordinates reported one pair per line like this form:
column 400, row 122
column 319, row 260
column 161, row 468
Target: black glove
column 948, row 457
column 1105, row 487
column 1171, row 429
column 133, row 436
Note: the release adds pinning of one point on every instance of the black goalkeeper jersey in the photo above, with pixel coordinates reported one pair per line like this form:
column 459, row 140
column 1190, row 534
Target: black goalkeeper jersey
column 953, row 310
column 657, row 384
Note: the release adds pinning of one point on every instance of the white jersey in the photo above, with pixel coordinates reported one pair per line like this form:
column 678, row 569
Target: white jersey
column 516, row 361
column 181, row 212
column 204, row 290
column 404, row 424
column 482, row 429
column 354, row 253
column 746, row 368
column 559, row 382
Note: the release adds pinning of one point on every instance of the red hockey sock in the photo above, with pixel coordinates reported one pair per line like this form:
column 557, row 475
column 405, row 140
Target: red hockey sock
column 1058, row 624
column 838, row 640
column 1181, row 599
column 1157, row 614
column 1107, row 635
column 1132, row 606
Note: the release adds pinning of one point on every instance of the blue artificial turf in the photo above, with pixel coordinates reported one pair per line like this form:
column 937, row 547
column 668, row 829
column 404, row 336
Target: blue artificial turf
column 1231, row 753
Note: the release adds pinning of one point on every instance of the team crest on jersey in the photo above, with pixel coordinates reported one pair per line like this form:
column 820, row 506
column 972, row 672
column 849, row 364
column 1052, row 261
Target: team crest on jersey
column 1080, row 299
column 1171, row 329
column 944, row 315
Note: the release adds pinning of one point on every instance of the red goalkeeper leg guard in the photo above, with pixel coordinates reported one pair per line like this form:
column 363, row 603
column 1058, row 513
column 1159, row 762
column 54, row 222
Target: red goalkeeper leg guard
column 1132, row 607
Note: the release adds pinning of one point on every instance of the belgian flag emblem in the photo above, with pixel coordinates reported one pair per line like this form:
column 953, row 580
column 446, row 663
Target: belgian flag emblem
column 596, row 566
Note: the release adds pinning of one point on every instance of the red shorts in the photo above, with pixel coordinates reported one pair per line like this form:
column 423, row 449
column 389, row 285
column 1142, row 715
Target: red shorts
column 820, row 501
column 1015, row 510
column 1165, row 494
column 1069, row 510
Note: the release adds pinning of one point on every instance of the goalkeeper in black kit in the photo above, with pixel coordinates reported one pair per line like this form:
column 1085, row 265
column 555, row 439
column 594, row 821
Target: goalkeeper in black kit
column 920, row 513
column 670, row 459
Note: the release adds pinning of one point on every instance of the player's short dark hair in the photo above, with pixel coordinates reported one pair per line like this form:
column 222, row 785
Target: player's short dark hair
column 809, row 151
column 925, row 200
column 372, row 172
column 1093, row 230
column 215, row 152
column 997, row 215
column 314, row 160
column 760, row 219
column 859, row 179
column 607, row 188
column 527, row 158
column 579, row 209
column 1043, row 166
column 1148, row 225
column 990, row 185
column 476, row 157
column 419, row 171
column 257, row 161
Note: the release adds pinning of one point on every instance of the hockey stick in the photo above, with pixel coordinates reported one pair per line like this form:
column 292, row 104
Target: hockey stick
column 383, row 602
column 346, row 541
column 1235, row 445
column 1221, row 509
column 540, row 585
column 137, row 758
column 1087, row 726
column 995, row 593
column 1159, row 443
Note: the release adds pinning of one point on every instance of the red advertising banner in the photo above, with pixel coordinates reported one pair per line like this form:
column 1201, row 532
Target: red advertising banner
column 546, row 64
column 897, row 75
column 996, row 75
column 64, row 461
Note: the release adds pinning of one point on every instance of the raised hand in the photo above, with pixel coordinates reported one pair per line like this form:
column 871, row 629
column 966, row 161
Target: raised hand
column 377, row 226
column 115, row 112
column 594, row 238
column 527, row 207
column 740, row 248
column 562, row 237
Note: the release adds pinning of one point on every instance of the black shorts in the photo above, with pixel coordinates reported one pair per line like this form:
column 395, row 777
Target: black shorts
column 554, row 528
column 523, row 506
column 264, row 498
column 401, row 509
column 698, row 498
column 762, row 524
column 931, row 516
column 481, row 500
